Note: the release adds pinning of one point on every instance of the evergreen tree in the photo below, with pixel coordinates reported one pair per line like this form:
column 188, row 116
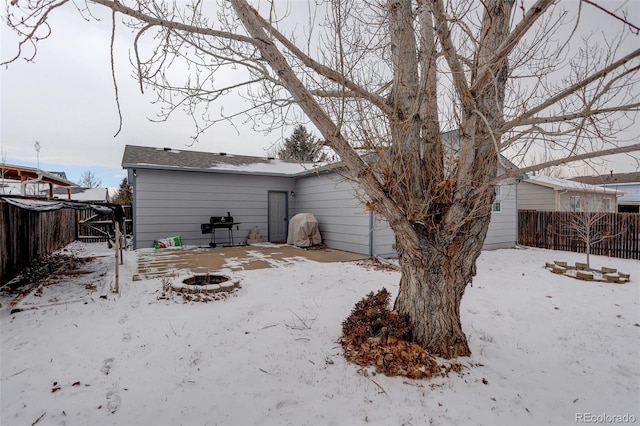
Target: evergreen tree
column 124, row 194
column 302, row 146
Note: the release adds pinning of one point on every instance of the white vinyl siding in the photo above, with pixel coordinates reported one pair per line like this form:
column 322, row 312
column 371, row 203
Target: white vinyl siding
column 536, row 197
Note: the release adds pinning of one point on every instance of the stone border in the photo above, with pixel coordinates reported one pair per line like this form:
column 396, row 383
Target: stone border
column 226, row 286
column 582, row 272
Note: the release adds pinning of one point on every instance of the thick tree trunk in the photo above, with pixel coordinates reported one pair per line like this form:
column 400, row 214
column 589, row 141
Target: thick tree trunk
column 434, row 278
column 431, row 297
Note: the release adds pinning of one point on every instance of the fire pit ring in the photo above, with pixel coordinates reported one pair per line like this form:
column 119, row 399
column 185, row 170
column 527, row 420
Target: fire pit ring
column 206, row 283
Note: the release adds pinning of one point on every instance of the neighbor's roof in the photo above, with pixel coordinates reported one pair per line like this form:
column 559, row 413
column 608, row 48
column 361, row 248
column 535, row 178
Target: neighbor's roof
column 569, row 185
column 19, row 173
column 610, row 179
column 85, row 194
column 143, row 157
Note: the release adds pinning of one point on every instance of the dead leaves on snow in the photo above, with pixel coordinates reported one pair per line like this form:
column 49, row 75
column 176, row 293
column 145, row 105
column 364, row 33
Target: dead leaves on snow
column 375, row 336
column 378, row 265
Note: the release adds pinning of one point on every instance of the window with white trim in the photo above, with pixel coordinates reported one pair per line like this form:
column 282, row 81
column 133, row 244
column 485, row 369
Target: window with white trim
column 606, row 204
column 576, row 203
column 497, row 205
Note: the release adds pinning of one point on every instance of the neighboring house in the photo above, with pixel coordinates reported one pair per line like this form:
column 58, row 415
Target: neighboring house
column 547, row 193
column 95, row 195
column 62, row 175
column 175, row 191
column 627, row 182
column 30, row 181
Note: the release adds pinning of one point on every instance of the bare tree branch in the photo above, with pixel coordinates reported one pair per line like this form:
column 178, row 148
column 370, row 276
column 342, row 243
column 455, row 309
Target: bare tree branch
column 566, row 160
column 113, row 71
column 323, row 70
column 574, row 88
column 118, row 6
column 624, row 20
column 573, row 116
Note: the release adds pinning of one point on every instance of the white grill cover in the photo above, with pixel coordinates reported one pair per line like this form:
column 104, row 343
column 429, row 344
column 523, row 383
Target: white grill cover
column 303, row 230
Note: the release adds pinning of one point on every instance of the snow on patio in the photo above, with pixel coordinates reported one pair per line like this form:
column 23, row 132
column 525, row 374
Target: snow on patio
column 547, row 349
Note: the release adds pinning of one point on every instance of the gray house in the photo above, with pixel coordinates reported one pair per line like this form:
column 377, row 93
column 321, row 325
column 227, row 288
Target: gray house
column 548, row 193
column 175, row 191
column 629, row 183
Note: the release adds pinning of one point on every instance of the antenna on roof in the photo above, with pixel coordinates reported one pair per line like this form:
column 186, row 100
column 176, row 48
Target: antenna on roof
column 37, row 147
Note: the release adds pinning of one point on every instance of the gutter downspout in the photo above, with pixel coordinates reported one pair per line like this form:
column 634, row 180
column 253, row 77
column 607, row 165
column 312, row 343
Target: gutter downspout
column 517, row 214
column 132, row 181
column 558, row 194
column 371, row 234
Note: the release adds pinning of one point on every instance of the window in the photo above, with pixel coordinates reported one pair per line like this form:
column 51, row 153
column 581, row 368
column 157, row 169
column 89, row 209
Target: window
column 497, row 207
column 576, row 203
column 606, row 204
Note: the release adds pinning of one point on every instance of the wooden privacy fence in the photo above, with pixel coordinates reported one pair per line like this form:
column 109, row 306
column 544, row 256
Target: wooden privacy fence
column 93, row 228
column 552, row 230
column 26, row 235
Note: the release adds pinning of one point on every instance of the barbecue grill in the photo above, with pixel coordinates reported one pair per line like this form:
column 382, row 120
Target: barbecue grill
column 221, row 223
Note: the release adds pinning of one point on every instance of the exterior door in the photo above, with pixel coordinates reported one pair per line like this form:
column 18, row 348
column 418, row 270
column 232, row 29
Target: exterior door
column 278, row 217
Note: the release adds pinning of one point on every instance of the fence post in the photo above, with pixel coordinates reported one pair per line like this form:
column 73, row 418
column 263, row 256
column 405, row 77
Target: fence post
column 117, row 249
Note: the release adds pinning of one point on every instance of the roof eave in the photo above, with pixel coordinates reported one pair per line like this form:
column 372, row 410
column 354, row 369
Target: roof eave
column 205, row 170
column 601, row 190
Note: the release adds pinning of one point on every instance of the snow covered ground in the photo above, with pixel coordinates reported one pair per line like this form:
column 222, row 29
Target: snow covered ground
column 547, row 349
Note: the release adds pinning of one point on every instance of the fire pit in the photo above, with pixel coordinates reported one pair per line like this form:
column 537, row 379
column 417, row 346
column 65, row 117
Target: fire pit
column 206, row 283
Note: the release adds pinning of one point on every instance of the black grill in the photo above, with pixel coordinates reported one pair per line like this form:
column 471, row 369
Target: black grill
column 219, row 222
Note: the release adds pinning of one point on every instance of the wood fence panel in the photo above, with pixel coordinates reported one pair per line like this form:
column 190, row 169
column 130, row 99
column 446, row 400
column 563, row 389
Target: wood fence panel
column 26, row 235
column 551, row 230
column 100, row 224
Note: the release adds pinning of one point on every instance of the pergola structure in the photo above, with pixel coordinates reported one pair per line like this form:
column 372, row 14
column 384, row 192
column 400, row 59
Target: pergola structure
column 31, row 175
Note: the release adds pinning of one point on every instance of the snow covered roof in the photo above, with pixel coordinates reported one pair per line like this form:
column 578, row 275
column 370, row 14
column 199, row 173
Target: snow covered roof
column 610, row 179
column 171, row 159
column 559, row 184
column 84, row 194
column 21, row 173
column 42, row 205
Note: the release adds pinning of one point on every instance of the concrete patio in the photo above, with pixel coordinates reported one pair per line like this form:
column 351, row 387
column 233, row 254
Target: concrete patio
column 166, row 262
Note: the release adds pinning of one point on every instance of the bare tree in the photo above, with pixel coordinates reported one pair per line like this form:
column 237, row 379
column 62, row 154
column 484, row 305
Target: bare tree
column 89, row 180
column 588, row 220
column 590, row 228
column 390, row 78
